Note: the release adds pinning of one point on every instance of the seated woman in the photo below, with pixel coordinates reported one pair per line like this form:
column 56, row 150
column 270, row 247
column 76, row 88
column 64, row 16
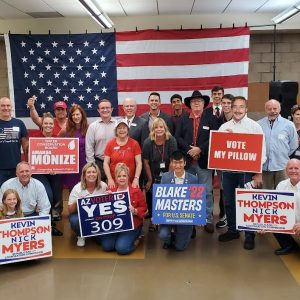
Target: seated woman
column 123, row 149
column 11, row 205
column 125, row 242
column 89, row 185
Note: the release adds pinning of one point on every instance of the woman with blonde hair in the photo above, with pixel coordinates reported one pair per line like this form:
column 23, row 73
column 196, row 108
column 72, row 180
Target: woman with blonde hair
column 11, row 205
column 89, row 185
column 157, row 149
column 126, row 241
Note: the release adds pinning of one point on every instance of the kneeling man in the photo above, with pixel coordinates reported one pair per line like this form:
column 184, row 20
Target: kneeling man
column 292, row 184
column 177, row 236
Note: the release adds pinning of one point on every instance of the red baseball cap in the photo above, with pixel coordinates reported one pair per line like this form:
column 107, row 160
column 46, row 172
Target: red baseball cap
column 61, row 104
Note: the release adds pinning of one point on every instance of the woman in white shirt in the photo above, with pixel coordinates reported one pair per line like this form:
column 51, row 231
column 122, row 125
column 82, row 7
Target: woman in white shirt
column 89, row 185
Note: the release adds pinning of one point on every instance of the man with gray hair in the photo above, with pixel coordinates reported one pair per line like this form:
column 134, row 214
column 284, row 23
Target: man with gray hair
column 34, row 199
column 281, row 141
column 134, row 122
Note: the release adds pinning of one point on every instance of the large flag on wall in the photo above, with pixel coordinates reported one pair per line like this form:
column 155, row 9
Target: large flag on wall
column 83, row 68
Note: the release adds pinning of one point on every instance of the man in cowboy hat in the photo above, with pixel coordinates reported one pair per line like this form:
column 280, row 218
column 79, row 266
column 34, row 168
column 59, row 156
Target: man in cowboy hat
column 192, row 135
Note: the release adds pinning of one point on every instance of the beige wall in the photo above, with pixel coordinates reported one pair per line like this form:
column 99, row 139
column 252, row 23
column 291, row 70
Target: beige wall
column 260, row 67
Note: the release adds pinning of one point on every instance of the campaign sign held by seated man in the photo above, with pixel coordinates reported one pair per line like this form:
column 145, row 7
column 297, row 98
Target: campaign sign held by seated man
column 267, row 210
column 25, row 239
column 104, row 214
column 182, row 204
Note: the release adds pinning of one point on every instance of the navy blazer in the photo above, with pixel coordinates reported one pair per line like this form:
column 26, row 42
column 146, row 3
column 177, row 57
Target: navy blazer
column 164, row 116
column 210, row 110
column 135, row 130
column 184, row 136
column 169, row 177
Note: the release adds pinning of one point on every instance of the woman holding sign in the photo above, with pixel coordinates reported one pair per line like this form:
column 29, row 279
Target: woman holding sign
column 89, row 185
column 52, row 182
column 125, row 242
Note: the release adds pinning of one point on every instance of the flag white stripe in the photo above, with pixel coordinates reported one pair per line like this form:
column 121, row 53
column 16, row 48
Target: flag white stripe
column 142, row 97
column 187, row 45
column 194, row 71
column 10, row 73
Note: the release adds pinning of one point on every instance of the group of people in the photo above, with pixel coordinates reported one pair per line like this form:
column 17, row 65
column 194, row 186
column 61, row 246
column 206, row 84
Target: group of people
column 134, row 152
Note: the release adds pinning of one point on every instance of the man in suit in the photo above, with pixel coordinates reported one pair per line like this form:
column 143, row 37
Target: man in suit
column 134, row 122
column 217, row 92
column 180, row 238
column 154, row 112
column 192, row 135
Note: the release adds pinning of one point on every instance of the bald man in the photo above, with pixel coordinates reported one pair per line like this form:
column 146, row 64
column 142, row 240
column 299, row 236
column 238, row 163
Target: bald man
column 292, row 184
column 13, row 136
column 134, row 122
column 281, row 141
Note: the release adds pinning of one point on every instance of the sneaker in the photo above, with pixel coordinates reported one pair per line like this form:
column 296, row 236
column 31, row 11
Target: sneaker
column 222, row 222
column 80, row 241
column 228, row 236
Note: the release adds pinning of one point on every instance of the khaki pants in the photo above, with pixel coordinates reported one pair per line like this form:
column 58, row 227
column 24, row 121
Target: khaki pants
column 272, row 178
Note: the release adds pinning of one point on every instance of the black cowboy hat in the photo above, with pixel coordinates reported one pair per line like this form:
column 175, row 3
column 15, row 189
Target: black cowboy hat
column 196, row 94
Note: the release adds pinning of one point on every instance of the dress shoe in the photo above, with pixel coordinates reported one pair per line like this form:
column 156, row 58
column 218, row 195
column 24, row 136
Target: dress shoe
column 56, row 232
column 228, row 236
column 209, row 227
column 249, row 243
column 194, row 232
column 286, row 250
column 170, row 244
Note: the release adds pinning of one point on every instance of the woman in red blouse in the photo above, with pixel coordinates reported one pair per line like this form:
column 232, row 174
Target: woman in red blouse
column 125, row 242
column 122, row 149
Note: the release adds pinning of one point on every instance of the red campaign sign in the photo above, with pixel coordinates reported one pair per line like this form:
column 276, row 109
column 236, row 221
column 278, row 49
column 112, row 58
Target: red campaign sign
column 235, row 151
column 54, row 155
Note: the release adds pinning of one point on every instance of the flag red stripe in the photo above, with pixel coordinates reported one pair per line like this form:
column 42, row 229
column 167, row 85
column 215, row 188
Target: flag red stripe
column 182, row 84
column 180, row 34
column 182, row 58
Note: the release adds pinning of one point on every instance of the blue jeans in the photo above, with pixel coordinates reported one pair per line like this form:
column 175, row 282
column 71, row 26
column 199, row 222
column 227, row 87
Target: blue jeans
column 231, row 181
column 74, row 222
column 53, row 185
column 7, row 174
column 122, row 242
column 205, row 177
column 183, row 235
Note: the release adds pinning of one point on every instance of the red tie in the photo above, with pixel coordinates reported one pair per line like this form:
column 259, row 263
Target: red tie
column 217, row 109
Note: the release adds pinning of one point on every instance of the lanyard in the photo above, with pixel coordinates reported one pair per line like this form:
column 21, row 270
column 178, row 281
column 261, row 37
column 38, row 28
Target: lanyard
column 162, row 153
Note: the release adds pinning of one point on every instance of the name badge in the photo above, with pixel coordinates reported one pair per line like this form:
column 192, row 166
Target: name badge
column 206, row 127
column 162, row 165
column 117, row 148
column 133, row 124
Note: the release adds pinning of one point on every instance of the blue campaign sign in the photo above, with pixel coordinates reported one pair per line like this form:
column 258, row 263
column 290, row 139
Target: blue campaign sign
column 104, row 214
column 179, row 204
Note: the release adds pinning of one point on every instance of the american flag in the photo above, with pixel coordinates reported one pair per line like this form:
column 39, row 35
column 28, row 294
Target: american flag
column 83, row 68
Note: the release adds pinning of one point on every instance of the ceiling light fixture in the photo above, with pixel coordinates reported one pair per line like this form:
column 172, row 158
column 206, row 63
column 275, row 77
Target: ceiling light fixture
column 286, row 14
column 97, row 13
